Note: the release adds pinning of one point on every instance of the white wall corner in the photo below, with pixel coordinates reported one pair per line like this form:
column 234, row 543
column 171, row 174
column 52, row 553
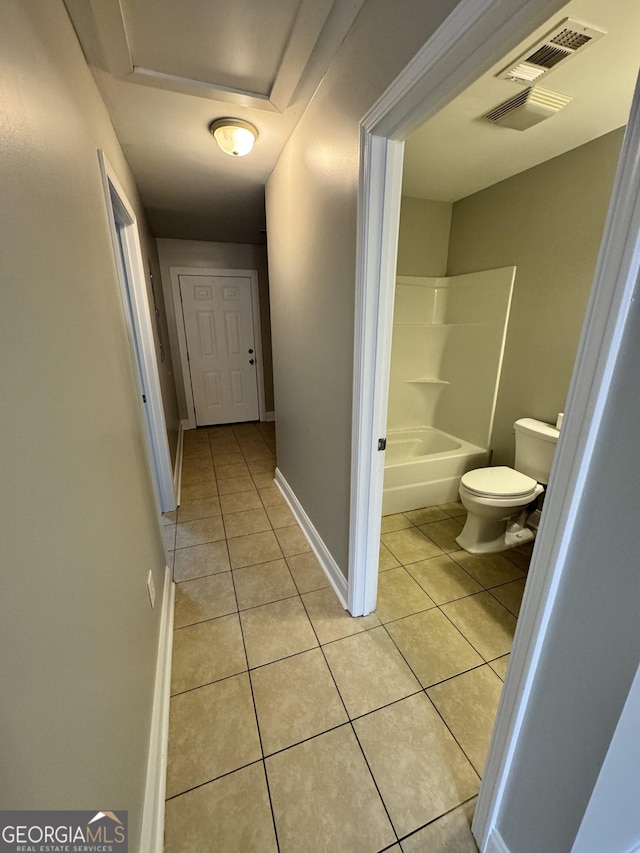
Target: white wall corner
column 269, row 416
column 495, row 843
column 152, row 835
column 329, row 565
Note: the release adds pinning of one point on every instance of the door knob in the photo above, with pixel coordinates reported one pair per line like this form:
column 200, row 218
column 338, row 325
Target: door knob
column 250, row 352
column 252, row 361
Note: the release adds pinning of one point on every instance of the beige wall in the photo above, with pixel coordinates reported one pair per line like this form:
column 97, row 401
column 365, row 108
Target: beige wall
column 548, row 222
column 197, row 253
column 311, row 227
column 78, row 638
column 423, row 240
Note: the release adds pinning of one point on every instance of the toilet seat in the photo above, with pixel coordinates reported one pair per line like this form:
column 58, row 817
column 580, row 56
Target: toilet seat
column 500, row 482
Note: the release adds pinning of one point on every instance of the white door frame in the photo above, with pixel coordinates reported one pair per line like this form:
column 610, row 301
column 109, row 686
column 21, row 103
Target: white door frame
column 175, row 273
column 133, row 291
column 477, row 35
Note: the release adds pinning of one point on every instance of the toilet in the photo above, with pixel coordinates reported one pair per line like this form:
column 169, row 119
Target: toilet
column 500, row 500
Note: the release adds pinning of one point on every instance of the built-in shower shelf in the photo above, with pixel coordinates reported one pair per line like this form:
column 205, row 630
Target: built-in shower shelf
column 427, row 381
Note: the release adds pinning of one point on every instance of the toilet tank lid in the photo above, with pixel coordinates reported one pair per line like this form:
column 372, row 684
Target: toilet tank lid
column 500, row 481
column 545, row 431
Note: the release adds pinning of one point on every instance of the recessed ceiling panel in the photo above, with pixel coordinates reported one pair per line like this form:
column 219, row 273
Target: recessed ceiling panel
column 237, row 45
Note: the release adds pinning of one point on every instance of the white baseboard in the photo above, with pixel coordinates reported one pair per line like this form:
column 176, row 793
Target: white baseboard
column 495, row 844
column 269, row 416
column 152, row 836
column 329, row 565
column 177, row 468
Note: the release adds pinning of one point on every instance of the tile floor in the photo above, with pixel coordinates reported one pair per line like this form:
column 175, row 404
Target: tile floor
column 293, row 726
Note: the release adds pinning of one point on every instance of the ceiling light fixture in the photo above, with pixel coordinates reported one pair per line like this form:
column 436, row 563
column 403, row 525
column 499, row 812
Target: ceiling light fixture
column 234, row 136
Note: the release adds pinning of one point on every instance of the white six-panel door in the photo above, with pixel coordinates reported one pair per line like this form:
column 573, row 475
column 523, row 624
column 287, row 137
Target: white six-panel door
column 218, row 322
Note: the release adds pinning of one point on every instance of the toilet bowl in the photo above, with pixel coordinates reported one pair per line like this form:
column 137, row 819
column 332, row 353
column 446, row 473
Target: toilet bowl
column 499, row 501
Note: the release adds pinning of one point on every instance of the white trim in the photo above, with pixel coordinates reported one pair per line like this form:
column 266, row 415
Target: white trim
column 177, row 468
column 152, row 835
column 133, row 290
column 175, row 273
column 329, row 565
column 495, row 843
column 269, row 416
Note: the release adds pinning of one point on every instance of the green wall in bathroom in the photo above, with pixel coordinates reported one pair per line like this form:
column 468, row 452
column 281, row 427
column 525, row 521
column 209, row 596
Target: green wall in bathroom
column 548, row 222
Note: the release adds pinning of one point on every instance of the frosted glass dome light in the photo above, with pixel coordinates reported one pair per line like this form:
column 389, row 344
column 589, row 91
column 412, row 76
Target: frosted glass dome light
column 234, row 136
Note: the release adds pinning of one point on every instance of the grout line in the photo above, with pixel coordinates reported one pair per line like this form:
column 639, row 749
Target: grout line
column 215, row 779
column 444, row 814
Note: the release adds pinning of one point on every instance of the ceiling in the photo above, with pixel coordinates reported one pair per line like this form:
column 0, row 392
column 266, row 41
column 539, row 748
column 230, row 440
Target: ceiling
column 458, row 152
column 167, row 68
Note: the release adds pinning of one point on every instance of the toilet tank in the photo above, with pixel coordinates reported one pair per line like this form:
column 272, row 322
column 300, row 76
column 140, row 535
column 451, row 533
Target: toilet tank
column 535, row 446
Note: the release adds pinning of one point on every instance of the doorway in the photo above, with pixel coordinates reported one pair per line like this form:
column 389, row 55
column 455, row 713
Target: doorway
column 131, row 277
column 220, row 343
column 441, row 71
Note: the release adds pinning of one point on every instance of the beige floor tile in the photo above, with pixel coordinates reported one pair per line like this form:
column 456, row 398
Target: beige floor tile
column 370, row 671
column 324, row 798
column 329, row 618
column 223, row 460
column 240, row 502
column 227, row 472
column 271, row 496
column 426, row 515
column 292, row 541
column 468, row 704
column 443, row 533
column 212, row 731
column 235, row 810
column 281, row 516
column 397, row 521
column 200, row 473
column 520, row 556
column 409, row 546
column 510, row 594
column 168, row 532
column 448, row 834
column 204, row 598
column 207, row 652
column 224, row 446
column 244, row 523
column 253, row 549
column 266, row 465
column 276, row 630
column 499, row 666
column 196, row 491
column 233, row 485
column 263, row 481
column 198, row 532
column 454, row 509
column 487, row 625
column 201, row 560
column 307, row 572
column 488, row 569
column 399, row 595
column 264, row 583
column 420, row 770
column 296, row 698
column 203, row 508
column 432, row 647
column 387, row 560
column 443, row 579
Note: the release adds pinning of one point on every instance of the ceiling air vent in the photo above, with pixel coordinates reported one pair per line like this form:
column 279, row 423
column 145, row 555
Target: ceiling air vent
column 528, row 108
column 557, row 47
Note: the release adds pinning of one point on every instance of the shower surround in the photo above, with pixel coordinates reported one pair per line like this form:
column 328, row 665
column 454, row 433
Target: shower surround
column 448, row 343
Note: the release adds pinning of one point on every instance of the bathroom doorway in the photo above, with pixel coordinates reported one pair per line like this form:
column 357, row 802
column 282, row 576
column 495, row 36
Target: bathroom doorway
column 380, row 266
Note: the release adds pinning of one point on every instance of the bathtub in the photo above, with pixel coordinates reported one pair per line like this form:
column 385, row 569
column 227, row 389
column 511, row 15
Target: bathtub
column 423, row 468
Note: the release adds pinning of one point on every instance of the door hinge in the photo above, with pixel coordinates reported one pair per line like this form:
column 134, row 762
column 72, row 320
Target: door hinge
column 144, row 398
column 382, row 444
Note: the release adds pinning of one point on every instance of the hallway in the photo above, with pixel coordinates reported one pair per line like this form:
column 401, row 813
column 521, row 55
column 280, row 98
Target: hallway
column 294, row 726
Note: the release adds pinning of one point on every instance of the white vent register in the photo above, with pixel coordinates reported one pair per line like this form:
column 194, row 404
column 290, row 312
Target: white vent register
column 561, row 44
column 528, row 108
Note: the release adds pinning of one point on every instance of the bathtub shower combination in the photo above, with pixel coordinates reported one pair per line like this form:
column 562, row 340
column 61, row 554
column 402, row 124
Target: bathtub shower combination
column 448, row 343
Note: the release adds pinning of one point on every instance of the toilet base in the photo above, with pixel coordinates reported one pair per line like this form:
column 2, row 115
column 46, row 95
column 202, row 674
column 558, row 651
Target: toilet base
column 489, row 536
